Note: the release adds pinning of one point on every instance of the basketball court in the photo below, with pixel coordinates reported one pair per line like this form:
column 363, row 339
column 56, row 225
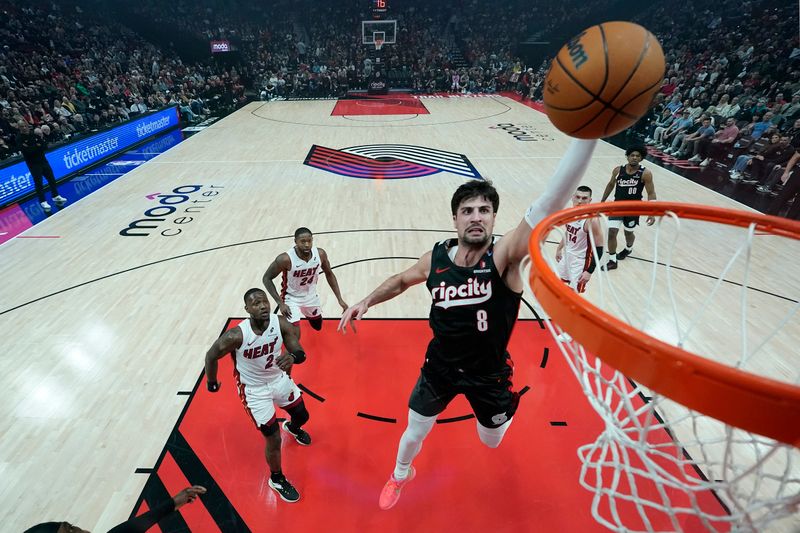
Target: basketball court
column 109, row 306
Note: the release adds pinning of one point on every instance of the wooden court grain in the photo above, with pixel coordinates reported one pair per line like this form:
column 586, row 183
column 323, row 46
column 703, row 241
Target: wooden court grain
column 101, row 330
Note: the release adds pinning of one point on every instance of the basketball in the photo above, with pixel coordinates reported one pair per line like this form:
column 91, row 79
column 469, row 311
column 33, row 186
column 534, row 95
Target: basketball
column 603, row 80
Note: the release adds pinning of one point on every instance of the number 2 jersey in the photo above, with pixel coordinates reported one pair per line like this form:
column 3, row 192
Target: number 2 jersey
column 299, row 284
column 472, row 313
column 254, row 361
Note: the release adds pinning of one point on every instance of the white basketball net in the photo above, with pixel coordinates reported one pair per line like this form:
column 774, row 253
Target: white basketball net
column 659, row 466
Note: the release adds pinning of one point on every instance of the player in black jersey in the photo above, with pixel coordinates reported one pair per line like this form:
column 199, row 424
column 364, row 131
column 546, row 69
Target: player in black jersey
column 475, row 285
column 628, row 183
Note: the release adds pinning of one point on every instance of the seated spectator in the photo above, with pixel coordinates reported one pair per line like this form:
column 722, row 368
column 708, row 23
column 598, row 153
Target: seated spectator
column 769, row 169
column 760, row 107
column 745, row 114
column 5, row 149
column 758, row 126
column 675, row 104
column 697, row 90
column 790, row 110
column 49, row 135
column 138, row 107
column 122, row 113
column 707, row 149
column 69, row 106
column 661, row 122
column 669, row 87
column 730, row 110
column 185, row 110
column 678, row 126
column 788, row 187
column 78, row 123
column 60, row 111
column 695, row 110
column 66, row 128
column 688, row 143
column 794, row 132
column 772, row 157
column 760, row 163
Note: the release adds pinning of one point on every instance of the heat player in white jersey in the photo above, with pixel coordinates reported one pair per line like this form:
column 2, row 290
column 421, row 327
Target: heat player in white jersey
column 299, row 268
column 575, row 261
column 262, row 381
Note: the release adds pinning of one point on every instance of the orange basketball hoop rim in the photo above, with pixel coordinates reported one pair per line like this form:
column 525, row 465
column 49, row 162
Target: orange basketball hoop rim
column 747, row 401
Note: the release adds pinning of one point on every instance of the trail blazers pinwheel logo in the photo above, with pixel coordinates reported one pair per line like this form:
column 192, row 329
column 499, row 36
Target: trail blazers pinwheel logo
column 389, row 161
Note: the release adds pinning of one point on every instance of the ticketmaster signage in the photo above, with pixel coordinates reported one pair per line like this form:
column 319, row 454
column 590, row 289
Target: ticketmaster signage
column 16, row 181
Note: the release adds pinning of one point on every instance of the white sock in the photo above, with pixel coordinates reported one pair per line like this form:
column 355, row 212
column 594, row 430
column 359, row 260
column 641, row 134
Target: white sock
column 612, row 257
column 411, row 442
column 629, row 249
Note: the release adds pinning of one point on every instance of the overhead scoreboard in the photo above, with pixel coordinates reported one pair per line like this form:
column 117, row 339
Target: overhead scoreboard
column 379, row 8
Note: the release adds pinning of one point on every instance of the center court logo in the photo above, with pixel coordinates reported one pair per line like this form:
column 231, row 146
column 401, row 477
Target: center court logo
column 183, row 201
column 389, row 161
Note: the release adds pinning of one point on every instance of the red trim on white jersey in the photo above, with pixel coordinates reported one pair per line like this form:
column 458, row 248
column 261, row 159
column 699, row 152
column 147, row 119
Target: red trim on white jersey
column 240, row 390
column 284, row 285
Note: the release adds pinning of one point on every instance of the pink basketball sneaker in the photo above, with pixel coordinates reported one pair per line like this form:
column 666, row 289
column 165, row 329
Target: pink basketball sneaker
column 391, row 491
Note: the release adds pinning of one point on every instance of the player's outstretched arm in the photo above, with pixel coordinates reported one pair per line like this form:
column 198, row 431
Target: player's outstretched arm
column 387, row 290
column 295, row 354
column 560, row 249
column 331, row 277
column 229, row 341
column 599, row 239
column 611, row 184
column 514, row 245
column 282, row 263
column 650, row 187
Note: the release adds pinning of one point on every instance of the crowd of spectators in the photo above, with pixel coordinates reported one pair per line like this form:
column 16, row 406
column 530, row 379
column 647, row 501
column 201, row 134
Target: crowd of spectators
column 732, row 81
column 66, row 71
column 731, row 95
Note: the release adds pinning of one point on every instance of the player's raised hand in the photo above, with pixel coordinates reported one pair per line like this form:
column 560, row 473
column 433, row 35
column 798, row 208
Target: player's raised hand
column 187, row 495
column 354, row 312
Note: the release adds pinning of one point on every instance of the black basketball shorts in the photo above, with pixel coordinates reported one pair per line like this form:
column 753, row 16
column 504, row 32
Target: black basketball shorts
column 628, row 223
column 491, row 396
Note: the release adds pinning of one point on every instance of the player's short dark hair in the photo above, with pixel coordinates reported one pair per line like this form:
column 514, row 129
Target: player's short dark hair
column 474, row 189
column 252, row 291
column 585, row 188
column 641, row 149
column 302, row 231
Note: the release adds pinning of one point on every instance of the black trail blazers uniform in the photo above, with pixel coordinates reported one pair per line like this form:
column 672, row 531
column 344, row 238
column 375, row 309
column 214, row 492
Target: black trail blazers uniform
column 629, row 187
column 472, row 315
